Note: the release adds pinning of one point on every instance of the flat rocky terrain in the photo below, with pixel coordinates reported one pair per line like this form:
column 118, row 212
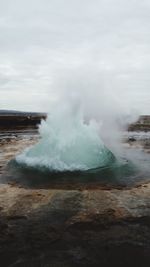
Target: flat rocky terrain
column 100, row 226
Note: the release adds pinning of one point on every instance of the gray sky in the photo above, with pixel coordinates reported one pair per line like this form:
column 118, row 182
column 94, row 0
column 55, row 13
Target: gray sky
column 39, row 39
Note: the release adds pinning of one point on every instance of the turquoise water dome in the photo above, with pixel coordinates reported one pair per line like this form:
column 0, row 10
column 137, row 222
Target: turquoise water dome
column 67, row 143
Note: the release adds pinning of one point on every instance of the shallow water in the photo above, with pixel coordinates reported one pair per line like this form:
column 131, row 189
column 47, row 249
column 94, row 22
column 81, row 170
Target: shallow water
column 125, row 172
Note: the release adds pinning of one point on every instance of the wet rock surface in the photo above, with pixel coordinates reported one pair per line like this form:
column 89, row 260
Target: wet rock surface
column 99, row 226
column 72, row 228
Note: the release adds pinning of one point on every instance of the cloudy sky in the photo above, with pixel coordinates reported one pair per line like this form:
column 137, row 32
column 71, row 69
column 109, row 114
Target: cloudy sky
column 39, row 39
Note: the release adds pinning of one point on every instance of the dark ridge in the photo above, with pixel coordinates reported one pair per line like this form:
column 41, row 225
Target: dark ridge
column 19, row 119
column 142, row 124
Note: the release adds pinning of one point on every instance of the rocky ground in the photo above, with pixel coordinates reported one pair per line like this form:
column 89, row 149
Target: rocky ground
column 71, row 227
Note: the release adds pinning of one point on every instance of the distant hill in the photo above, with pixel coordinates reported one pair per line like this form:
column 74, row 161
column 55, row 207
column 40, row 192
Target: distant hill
column 4, row 112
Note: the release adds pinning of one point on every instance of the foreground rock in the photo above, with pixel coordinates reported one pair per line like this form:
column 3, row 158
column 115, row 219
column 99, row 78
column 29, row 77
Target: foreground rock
column 74, row 228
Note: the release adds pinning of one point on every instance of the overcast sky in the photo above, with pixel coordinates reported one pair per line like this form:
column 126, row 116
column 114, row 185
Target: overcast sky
column 39, row 39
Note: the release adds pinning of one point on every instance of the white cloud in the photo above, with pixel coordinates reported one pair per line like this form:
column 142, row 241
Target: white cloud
column 41, row 38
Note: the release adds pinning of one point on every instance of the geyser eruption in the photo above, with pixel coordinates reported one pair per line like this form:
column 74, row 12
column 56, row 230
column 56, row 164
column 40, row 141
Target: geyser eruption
column 68, row 143
column 81, row 131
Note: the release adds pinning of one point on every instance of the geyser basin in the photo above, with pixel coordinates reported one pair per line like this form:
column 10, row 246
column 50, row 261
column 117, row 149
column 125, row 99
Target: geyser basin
column 118, row 173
